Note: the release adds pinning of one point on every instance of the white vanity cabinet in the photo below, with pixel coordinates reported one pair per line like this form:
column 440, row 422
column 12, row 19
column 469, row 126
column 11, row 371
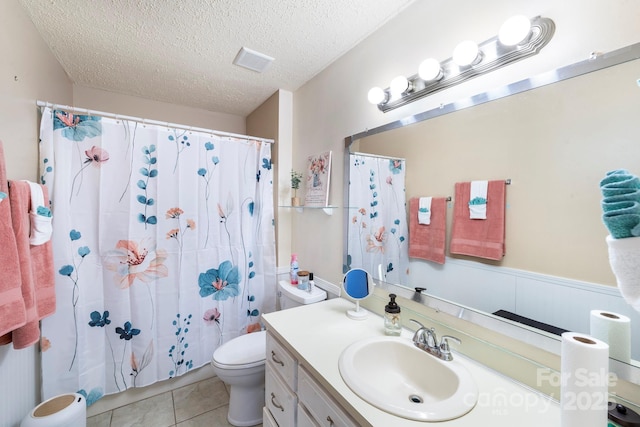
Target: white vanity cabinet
column 280, row 384
column 324, row 410
column 305, row 419
column 293, row 398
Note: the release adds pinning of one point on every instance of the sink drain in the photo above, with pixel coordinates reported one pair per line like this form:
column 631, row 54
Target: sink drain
column 415, row 398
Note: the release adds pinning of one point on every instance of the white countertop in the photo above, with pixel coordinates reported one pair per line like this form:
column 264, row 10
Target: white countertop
column 317, row 334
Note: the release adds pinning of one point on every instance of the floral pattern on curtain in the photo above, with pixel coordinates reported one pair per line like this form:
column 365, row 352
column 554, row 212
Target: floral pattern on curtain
column 378, row 228
column 164, row 246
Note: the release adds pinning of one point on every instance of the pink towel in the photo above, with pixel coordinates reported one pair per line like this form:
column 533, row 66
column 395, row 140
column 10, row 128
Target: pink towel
column 428, row 241
column 12, row 310
column 479, row 238
column 36, row 269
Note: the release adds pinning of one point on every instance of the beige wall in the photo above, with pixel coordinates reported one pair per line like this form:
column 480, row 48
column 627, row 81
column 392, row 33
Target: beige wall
column 333, row 105
column 272, row 120
column 263, row 121
column 28, row 72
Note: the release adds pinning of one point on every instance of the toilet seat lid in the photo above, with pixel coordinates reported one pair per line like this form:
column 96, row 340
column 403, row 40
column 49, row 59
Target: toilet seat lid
column 243, row 350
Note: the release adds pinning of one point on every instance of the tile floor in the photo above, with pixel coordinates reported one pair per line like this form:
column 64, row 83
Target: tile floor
column 204, row 403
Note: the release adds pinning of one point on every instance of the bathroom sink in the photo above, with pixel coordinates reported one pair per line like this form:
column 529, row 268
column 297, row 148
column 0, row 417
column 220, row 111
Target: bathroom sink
column 395, row 376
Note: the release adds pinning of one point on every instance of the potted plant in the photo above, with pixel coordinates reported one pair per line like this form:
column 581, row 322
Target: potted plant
column 296, row 178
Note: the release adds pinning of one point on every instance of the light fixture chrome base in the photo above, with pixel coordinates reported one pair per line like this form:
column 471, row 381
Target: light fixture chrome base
column 494, row 56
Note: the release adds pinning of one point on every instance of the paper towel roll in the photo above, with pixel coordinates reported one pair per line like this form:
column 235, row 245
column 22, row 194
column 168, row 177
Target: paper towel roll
column 584, row 386
column 615, row 330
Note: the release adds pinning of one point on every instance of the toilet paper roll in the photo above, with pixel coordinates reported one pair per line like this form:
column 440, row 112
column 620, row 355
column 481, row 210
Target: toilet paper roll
column 584, row 385
column 615, row 330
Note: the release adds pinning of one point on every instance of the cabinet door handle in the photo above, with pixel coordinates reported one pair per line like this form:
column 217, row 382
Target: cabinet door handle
column 275, row 359
column 330, row 420
column 273, row 402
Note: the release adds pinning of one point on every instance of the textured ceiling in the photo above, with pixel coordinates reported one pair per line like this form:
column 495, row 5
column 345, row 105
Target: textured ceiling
column 181, row 51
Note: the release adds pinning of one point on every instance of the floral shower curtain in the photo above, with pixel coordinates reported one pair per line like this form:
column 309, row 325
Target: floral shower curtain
column 164, row 246
column 378, row 229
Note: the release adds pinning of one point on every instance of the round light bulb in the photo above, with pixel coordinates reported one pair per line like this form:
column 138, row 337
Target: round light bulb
column 399, row 85
column 466, row 53
column 430, row 70
column 515, row 30
column 376, row 95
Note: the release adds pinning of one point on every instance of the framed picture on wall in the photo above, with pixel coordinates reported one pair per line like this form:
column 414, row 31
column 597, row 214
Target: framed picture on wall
column 317, row 179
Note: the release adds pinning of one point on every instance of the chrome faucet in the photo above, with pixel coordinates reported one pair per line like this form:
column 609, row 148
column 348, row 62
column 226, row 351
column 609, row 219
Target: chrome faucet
column 427, row 340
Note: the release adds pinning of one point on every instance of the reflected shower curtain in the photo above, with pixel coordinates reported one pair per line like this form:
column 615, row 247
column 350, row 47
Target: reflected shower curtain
column 164, row 249
column 378, row 230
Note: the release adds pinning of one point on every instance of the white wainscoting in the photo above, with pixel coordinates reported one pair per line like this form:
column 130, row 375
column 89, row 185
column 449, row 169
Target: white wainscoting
column 19, row 384
column 557, row 301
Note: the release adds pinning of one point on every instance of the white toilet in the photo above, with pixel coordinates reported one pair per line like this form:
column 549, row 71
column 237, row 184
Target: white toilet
column 240, row 361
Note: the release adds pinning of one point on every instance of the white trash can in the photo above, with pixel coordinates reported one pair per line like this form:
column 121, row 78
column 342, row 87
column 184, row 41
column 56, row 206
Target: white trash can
column 66, row 410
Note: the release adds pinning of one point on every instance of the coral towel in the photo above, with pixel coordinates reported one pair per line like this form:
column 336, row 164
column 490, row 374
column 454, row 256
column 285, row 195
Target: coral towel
column 483, row 239
column 36, row 268
column 428, row 241
column 12, row 311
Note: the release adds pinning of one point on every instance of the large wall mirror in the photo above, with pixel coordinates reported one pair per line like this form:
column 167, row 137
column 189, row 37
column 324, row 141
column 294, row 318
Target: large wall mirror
column 554, row 137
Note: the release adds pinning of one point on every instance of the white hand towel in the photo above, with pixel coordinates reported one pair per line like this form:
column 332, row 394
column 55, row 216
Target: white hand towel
column 40, row 216
column 624, row 257
column 478, row 200
column 424, row 210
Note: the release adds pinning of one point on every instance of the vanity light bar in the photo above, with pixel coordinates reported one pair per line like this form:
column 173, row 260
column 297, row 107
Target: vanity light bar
column 469, row 63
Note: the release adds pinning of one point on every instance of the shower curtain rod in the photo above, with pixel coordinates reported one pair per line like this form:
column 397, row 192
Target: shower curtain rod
column 151, row 122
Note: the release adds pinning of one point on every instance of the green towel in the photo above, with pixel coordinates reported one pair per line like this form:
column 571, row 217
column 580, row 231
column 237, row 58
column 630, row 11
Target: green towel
column 628, row 192
column 622, row 225
column 623, row 207
column 623, row 195
column 621, row 203
column 619, row 179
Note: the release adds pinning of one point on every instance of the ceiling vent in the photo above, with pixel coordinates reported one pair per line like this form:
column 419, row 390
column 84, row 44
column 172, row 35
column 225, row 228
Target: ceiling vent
column 252, row 60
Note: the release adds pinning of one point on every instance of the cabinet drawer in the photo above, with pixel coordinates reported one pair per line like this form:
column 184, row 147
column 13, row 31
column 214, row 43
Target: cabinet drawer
column 282, row 361
column 325, row 411
column 304, row 417
column 280, row 401
column 267, row 419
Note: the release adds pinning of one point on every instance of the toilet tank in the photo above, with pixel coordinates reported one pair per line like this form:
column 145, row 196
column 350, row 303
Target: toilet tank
column 290, row 296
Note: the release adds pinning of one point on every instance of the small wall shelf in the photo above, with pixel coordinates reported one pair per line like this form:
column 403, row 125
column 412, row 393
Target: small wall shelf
column 326, row 209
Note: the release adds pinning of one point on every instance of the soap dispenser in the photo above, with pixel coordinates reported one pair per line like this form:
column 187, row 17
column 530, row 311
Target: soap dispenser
column 392, row 317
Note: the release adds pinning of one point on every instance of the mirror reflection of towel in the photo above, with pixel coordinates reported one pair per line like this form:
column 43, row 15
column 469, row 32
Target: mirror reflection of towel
column 428, row 242
column 483, row 239
column 624, row 258
column 621, row 203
